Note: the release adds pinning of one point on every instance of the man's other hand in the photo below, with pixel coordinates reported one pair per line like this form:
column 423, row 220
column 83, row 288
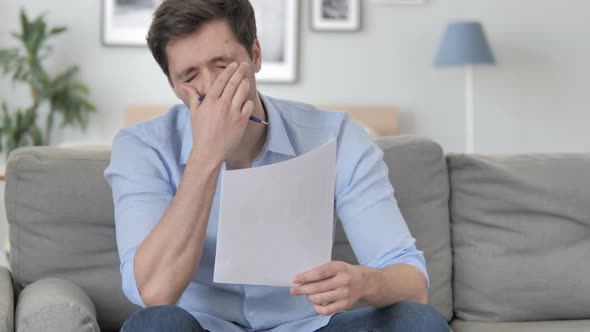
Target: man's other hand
column 333, row 287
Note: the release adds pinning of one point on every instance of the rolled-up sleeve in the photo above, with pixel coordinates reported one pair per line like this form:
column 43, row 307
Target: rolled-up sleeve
column 366, row 206
column 141, row 194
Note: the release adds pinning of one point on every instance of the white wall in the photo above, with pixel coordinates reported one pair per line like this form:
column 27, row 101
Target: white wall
column 536, row 98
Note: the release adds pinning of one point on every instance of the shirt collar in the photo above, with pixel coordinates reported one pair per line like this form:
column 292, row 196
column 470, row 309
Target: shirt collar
column 277, row 140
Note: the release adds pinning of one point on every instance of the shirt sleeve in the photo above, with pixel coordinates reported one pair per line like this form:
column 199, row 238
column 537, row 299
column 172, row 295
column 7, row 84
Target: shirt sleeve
column 141, row 194
column 366, row 206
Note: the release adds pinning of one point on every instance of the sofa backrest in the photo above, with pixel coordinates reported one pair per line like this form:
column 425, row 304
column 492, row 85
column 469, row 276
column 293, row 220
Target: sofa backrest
column 521, row 236
column 60, row 212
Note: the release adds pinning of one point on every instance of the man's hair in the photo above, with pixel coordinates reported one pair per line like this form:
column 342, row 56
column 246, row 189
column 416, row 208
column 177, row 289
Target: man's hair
column 178, row 18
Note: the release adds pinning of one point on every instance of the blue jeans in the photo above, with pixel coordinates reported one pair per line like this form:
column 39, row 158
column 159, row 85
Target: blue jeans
column 400, row 317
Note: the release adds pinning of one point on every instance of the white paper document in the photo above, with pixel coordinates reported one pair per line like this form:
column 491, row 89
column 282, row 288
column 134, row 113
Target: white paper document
column 276, row 221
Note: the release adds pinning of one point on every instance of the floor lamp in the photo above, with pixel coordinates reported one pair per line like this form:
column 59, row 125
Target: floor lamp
column 465, row 44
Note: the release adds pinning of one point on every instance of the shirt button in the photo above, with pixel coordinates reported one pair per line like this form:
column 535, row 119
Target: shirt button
column 251, row 313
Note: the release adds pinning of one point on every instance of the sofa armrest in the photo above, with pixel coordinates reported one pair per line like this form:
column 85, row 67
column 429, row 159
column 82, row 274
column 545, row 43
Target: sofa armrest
column 6, row 301
column 55, row 305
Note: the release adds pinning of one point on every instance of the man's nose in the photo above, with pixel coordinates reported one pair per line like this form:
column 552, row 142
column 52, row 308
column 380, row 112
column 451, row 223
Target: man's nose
column 204, row 82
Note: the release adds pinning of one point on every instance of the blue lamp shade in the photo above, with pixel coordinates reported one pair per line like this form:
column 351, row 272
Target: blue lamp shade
column 464, row 43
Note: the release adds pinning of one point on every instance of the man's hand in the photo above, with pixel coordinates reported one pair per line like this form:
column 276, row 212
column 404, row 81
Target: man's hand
column 219, row 122
column 332, row 287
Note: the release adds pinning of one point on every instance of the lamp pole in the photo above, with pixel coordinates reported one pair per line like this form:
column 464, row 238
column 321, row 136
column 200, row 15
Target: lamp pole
column 464, row 43
column 469, row 144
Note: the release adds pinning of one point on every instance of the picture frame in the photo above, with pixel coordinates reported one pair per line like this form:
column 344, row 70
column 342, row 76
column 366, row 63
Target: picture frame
column 277, row 25
column 125, row 23
column 335, row 15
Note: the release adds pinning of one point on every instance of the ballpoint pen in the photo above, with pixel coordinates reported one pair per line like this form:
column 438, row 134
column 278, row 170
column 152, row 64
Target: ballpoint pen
column 252, row 118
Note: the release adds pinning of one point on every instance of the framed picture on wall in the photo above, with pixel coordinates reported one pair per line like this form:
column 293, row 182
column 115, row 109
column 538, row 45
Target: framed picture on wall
column 277, row 23
column 126, row 23
column 335, row 15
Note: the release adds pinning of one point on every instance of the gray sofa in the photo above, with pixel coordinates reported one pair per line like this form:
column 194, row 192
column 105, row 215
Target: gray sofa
column 506, row 238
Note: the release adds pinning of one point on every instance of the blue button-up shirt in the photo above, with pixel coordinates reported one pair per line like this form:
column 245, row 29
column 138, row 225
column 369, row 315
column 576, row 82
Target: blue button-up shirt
column 146, row 167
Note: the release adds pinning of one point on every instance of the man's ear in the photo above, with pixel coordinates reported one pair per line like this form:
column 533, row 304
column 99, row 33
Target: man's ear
column 256, row 56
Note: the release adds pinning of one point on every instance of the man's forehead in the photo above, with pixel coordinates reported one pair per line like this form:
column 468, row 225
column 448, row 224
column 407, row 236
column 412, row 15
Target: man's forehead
column 183, row 56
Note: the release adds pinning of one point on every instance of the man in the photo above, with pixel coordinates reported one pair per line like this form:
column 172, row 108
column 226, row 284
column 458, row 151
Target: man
column 165, row 179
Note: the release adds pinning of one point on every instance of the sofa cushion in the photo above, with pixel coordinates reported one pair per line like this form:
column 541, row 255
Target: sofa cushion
column 60, row 212
column 521, row 236
column 55, row 305
column 546, row 326
column 418, row 173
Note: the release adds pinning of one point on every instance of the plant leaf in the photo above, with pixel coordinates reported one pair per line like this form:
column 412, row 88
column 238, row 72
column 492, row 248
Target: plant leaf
column 57, row 30
column 24, row 23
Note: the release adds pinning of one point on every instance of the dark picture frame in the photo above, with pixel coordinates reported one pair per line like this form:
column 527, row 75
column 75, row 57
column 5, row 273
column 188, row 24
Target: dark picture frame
column 335, row 15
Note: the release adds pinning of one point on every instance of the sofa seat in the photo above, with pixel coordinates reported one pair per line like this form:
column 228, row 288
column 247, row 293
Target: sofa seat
column 547, row 326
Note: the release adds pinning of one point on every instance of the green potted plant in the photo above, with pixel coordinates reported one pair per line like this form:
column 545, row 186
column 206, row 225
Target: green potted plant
column 61, row 97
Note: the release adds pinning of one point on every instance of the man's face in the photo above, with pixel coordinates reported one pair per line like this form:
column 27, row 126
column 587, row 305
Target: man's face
column 197, row 59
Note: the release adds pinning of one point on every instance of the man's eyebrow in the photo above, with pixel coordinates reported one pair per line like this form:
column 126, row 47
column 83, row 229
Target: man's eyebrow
column 222, row 58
